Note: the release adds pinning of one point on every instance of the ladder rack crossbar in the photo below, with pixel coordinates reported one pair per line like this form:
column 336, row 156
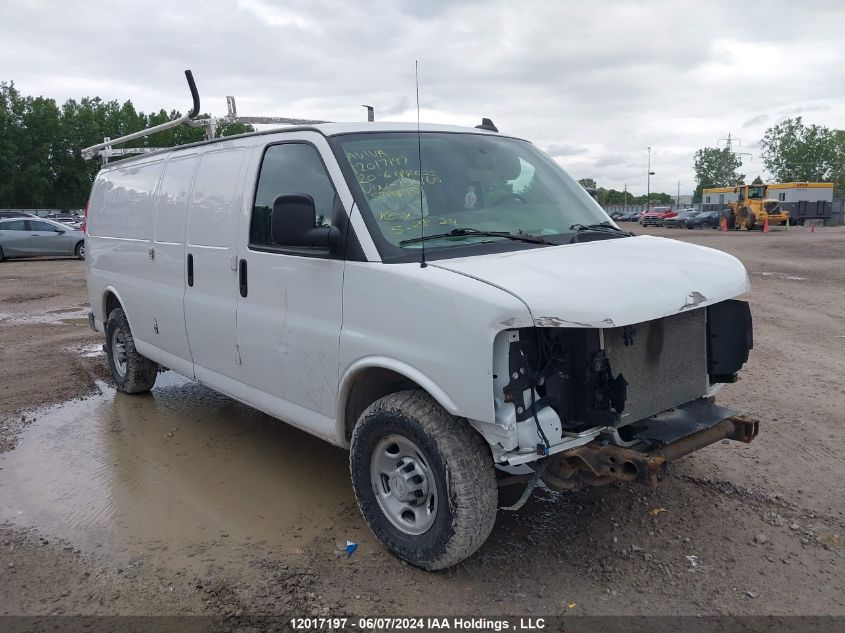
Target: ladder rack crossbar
column 94, row 150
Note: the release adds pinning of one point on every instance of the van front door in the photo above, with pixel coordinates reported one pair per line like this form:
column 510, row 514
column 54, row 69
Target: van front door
column 212, row 283
column 289, row 306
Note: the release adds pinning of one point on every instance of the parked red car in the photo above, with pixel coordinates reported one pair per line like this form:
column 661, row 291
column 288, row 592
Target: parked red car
column 656, row 216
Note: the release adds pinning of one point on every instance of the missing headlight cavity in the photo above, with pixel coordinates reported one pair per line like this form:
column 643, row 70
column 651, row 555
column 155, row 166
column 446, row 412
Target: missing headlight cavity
column 570, row 372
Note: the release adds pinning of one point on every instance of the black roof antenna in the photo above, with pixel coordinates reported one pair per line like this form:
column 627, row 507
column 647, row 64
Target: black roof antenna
column 487, row 124
column 419, row 157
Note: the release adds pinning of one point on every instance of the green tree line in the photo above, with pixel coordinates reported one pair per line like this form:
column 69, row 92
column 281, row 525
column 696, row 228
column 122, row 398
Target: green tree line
column 40, row 143
column 614, row 196
column 792, row 151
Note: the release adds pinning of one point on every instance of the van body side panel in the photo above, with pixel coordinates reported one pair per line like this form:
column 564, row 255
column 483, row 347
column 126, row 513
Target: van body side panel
column 211, row 303
column 120, row 234
column 440, row 324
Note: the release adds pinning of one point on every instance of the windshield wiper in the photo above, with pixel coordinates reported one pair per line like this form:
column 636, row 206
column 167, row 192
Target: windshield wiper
column 603, row 226
column 465, row 232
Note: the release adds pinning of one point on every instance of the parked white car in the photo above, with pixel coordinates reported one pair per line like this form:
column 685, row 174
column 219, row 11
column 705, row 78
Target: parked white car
column 439, row 320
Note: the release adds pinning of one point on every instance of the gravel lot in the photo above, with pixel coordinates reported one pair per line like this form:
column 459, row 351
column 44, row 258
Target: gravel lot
column 183, row 501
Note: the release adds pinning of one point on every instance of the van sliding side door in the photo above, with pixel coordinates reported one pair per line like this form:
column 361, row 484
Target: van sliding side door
column 212, row 284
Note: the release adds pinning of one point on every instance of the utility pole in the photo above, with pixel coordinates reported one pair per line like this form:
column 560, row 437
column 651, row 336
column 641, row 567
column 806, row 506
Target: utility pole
column 678, row 199
column 648, row 181
column 625, row 197
column 729, row 140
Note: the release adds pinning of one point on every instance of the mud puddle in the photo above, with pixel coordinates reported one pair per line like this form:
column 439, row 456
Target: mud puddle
column 91, row 350
column 68, row 316
column 172, row 469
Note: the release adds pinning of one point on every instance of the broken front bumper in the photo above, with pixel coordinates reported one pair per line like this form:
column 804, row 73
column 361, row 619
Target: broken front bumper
column 654, row 442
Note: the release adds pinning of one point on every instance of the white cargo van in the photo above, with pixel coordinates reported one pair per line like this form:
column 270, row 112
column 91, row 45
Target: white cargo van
column 442, row 302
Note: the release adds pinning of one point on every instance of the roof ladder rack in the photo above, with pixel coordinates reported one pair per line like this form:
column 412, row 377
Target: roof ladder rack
column 92, row 152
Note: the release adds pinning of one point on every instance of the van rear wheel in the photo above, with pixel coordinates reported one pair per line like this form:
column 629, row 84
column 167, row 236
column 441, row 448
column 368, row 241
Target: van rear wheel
column 424, row 480
column 132, row 372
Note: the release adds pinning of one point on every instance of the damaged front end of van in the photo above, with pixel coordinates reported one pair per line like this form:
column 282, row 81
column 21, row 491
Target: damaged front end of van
column 589, row 406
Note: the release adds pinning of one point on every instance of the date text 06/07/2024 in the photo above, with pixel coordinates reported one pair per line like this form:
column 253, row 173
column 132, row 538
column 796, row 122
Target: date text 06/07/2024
column 418, row 624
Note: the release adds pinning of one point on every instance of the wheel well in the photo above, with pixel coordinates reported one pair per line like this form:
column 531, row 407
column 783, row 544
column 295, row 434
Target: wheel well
column 110, row 302
column 370, row 385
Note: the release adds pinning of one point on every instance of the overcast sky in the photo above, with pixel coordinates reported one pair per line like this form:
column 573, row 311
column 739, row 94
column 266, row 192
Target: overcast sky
column 592, row 83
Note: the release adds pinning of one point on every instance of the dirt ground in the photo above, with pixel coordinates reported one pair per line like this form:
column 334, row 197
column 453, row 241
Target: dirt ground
column 184, row 502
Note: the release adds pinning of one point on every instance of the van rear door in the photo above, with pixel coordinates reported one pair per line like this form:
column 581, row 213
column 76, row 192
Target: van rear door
column 211, row 266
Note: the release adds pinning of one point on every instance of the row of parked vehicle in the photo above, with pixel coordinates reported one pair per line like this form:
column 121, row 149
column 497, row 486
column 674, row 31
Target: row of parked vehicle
column 28, row 235
column 667, row 217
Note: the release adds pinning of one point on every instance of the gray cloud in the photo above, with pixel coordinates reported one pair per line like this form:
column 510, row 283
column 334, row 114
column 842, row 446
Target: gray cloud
column 593, row 83
column 609, row 161
column 756, row 121
column 565, row 150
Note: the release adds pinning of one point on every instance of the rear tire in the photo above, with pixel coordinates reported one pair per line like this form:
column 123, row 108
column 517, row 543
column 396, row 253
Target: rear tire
column 132, row 372
column 730, row 216
column 751, row 221
column 79, row 251
column 424, row 480
column 2, row 255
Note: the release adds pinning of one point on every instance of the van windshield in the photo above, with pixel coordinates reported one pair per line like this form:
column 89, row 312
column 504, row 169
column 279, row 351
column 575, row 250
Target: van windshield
column 469, row 181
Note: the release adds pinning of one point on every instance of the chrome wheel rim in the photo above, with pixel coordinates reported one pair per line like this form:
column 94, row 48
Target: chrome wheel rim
column 404, row 484
column 82, row 251
column 118, row 351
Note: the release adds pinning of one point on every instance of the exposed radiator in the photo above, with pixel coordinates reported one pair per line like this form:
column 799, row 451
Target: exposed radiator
column 664, row 362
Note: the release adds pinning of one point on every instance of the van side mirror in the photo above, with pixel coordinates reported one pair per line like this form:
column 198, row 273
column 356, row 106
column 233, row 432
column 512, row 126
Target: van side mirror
column 294, row 223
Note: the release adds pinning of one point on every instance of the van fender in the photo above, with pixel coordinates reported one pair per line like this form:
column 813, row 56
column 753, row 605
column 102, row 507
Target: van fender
column 105, row 291
column 392, row 364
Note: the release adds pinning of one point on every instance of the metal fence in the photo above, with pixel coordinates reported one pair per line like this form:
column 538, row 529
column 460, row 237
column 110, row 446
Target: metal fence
column 837, row 212
column 637, row 208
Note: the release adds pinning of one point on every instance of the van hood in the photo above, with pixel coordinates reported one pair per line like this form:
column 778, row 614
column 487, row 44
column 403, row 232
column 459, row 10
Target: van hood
column 608, row 283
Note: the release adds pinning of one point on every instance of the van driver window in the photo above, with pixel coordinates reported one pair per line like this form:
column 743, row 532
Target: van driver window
column 289, row 168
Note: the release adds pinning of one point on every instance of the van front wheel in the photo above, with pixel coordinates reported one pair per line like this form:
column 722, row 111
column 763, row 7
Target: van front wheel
column 132, row 372
column 424, row 480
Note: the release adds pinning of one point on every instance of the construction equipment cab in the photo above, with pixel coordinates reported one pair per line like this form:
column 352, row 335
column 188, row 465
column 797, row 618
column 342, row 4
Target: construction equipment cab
column 746, row 206
column 445, row 302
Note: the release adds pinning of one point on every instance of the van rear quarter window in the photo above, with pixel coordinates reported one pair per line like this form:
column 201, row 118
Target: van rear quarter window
column 123, row 197
column 173, row 199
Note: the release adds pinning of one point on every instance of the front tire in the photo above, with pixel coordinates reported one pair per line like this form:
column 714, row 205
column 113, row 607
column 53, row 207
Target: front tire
column 424, row 480
column 2, row 255
column 132, row 372
column 79, row 251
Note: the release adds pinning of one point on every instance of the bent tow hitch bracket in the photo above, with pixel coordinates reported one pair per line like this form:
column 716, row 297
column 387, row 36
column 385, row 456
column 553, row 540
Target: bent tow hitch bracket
column 597, row 464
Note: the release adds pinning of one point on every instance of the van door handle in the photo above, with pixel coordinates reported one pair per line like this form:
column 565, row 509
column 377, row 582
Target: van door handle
column 190, row 269
column 242, row 281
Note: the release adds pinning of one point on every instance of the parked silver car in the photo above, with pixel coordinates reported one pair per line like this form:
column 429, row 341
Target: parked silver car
column 24, row 237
